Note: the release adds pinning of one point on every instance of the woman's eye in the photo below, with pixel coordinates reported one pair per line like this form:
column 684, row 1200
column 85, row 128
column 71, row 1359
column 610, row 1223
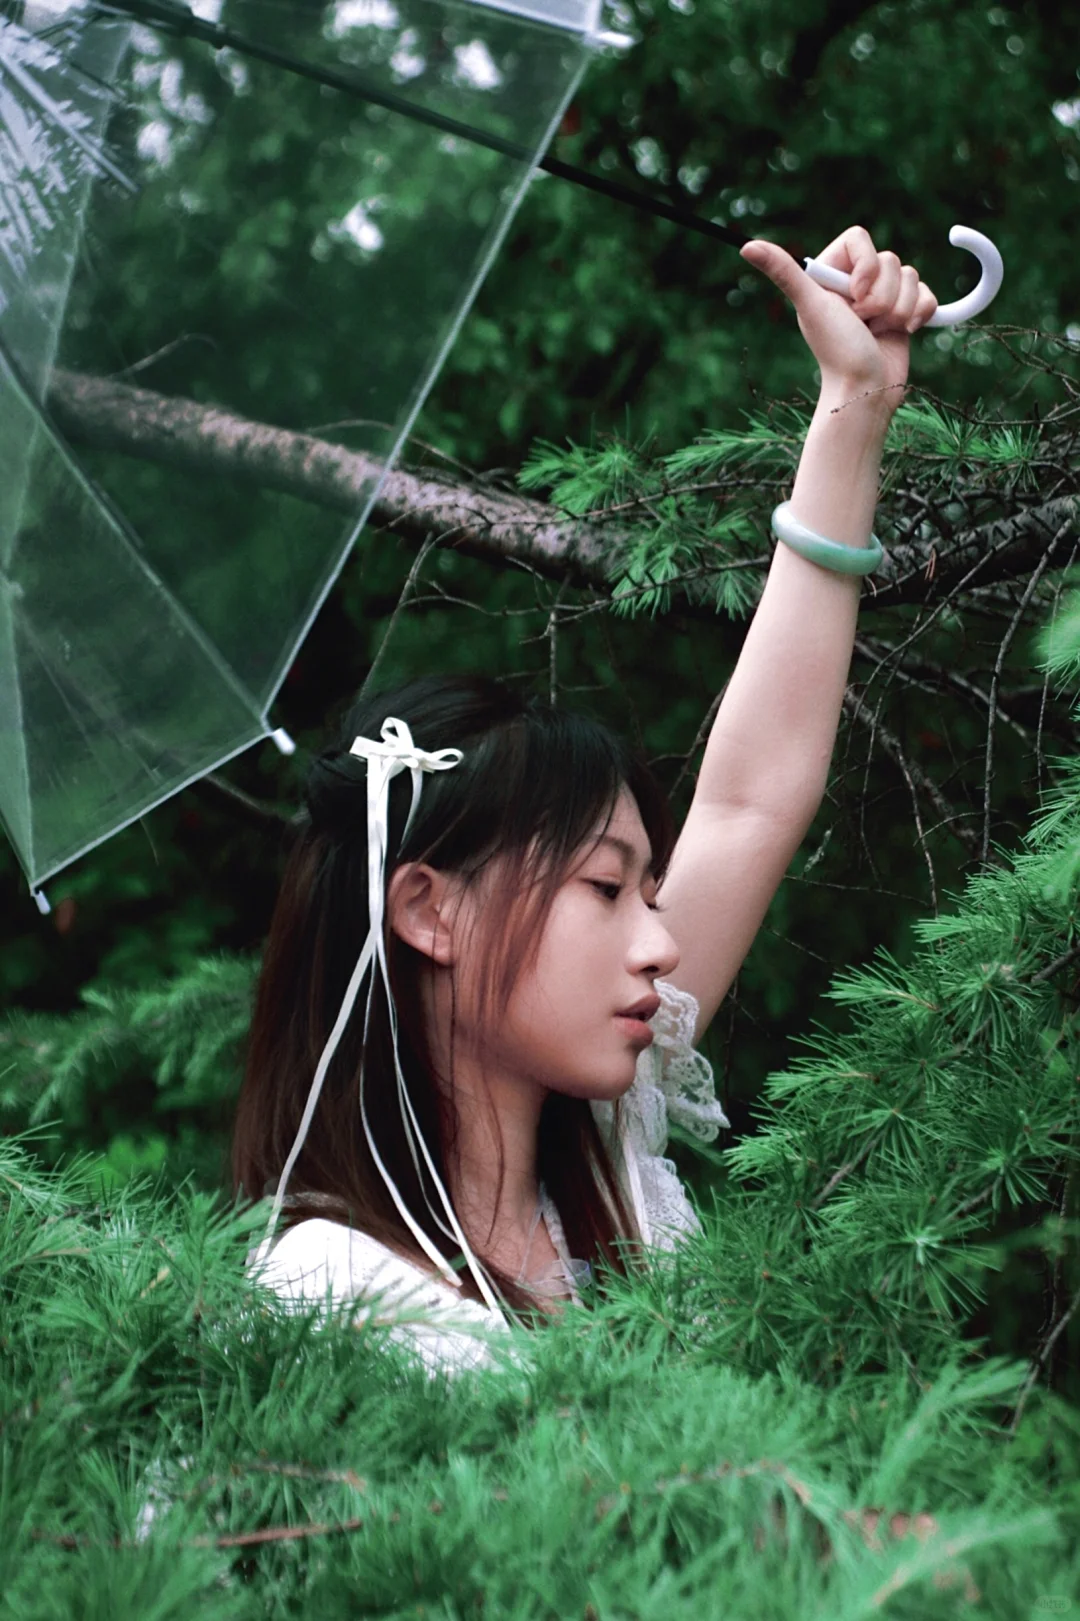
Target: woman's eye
column 610, row 892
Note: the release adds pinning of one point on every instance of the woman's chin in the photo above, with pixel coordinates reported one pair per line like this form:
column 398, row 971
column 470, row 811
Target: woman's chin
column 607, row 1084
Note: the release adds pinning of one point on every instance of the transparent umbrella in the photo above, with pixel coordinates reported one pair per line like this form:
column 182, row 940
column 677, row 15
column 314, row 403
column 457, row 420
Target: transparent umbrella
column 148, row 618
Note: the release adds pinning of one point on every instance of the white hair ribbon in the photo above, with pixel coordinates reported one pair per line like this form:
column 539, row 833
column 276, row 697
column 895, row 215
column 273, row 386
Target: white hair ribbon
column 397, row 752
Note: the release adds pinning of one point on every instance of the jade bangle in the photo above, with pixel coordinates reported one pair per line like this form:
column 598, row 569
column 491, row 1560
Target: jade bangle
column 828, row 554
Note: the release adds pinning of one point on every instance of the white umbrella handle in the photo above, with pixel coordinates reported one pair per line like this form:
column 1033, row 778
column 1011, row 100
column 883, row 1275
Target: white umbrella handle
column 966, row 308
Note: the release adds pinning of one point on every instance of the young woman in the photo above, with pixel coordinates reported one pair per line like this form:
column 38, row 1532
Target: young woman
column 490, row 960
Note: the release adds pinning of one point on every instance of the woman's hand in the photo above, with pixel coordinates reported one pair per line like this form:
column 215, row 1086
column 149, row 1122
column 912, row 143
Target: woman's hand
column 862, row 344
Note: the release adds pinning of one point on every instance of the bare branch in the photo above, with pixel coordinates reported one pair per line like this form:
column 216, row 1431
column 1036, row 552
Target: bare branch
column 407, row 590
column 913, row 774
column 258, row 809
column 201, row 439
column 999, row 664
column 1042, row 1355
column 927, row 677
column 493, row 524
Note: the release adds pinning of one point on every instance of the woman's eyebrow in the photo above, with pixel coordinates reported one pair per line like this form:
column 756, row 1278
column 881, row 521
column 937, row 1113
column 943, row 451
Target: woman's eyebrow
column 626, row 850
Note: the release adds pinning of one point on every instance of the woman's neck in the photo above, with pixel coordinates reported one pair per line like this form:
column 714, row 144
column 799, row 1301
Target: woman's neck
column 498, row 1121
column 507, row 1128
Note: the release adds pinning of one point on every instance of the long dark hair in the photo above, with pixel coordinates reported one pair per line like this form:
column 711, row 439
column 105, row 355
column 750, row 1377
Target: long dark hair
column 533, row 784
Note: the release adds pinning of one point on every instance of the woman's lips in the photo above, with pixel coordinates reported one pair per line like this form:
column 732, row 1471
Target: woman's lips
column 635, row 1029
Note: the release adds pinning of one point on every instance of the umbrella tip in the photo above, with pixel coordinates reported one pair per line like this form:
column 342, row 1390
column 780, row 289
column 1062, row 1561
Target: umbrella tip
column 41, row 901
column 618, row 42
column 283, row 741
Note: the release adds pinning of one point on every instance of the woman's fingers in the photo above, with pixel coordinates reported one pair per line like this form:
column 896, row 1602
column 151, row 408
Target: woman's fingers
column 883, row 290
column 876, row 291
column 902, row 311
column 907, row 298
column 924, row 308
column 914, row 306
column 853, row 250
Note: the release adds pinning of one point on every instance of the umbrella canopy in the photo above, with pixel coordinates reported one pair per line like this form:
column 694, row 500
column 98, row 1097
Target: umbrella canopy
column 148, row 618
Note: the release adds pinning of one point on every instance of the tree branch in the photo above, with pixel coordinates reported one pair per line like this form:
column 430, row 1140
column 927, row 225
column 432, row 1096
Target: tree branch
column 201, row 439
column 913, row 774
column 492, row 524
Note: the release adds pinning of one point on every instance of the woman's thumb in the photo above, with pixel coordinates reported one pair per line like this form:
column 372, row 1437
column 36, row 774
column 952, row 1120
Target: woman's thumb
column 779, row 266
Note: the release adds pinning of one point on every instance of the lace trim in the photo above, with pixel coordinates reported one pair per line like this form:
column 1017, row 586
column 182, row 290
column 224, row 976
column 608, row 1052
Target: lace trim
column 571, row 1271
column 673, row 1082
column 683, row 1074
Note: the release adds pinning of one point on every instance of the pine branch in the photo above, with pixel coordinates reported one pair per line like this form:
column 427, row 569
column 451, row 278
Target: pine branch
column 868, row 1522
column 495, row 525
column 913, row 774
column 261, row 1538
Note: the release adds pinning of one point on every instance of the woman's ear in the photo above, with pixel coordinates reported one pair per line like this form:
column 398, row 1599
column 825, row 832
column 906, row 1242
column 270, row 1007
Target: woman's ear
column 421, row 910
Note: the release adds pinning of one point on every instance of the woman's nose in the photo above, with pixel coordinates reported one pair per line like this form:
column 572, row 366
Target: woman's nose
column 654, row 949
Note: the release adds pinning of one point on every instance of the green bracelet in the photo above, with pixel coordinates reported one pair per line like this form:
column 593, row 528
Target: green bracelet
column 827, row 553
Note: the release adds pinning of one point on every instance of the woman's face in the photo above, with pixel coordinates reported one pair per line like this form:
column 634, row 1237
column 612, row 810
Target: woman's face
column 566, row 1025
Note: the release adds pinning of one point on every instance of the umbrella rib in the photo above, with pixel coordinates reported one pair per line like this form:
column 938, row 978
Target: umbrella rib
column 98, row 157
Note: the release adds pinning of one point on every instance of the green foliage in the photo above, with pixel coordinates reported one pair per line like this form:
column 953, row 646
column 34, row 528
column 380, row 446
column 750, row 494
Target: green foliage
column 693, row 516
column 1058, row 647
column 162, row 1058
column 675, row 538
column 588, row 481
column 177, row 1442
column 962, row 443
column 769, row 445
column 898, row 1160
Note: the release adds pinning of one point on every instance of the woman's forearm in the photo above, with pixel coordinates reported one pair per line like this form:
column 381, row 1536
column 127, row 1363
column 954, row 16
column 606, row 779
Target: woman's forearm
column 773, row 737
column 766, row 763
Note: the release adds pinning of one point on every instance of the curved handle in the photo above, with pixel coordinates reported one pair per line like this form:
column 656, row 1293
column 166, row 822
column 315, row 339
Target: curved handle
column 964, row 309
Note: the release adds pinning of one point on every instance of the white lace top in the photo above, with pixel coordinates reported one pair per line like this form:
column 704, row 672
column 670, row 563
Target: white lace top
column 320, row 1261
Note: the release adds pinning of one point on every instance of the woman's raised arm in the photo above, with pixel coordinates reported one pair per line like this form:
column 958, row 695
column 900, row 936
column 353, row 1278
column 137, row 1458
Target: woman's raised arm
column 766, row 762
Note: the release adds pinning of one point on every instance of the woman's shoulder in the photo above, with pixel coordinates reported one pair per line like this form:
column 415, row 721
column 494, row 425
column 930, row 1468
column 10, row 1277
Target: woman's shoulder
column 320, row 1262
column 318, row 1233
column 319, row 1258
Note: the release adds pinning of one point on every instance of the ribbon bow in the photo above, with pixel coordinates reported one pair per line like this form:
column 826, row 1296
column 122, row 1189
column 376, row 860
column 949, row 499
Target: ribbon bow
column 397, row 746
column 397, row 752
